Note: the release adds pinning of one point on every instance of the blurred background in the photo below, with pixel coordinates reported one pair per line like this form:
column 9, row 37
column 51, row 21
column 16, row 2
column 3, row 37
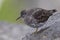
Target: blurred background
column 10, row 9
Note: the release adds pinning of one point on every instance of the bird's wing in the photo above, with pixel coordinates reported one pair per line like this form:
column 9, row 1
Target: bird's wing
column 40, row 16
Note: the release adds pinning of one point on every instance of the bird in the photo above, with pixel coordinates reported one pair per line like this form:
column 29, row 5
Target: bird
column 36, row 17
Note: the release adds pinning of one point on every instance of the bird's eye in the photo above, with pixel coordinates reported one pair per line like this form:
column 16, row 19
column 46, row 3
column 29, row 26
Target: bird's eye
column 23, row 14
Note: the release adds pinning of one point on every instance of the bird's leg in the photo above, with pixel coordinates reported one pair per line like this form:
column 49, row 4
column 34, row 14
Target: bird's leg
column 35, row 31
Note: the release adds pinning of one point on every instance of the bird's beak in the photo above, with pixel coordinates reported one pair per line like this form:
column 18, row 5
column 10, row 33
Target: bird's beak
column 18, row 18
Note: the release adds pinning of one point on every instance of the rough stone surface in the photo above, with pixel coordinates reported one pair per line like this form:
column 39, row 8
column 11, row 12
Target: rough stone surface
column 52, row 33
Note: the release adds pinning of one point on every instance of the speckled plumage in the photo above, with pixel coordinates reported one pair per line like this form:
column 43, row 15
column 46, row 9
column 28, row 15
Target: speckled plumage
column 36, row 17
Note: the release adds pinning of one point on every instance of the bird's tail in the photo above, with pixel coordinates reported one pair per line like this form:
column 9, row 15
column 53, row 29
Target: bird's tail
column 53, row 11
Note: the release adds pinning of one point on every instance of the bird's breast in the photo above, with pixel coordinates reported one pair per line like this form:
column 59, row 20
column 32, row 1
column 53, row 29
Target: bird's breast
column 30, row 21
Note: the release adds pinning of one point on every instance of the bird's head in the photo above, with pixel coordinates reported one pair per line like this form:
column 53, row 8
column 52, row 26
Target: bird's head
column 22, row 14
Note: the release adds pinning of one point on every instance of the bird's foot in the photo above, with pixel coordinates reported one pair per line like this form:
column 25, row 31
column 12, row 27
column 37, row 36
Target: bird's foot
column 34, row 32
